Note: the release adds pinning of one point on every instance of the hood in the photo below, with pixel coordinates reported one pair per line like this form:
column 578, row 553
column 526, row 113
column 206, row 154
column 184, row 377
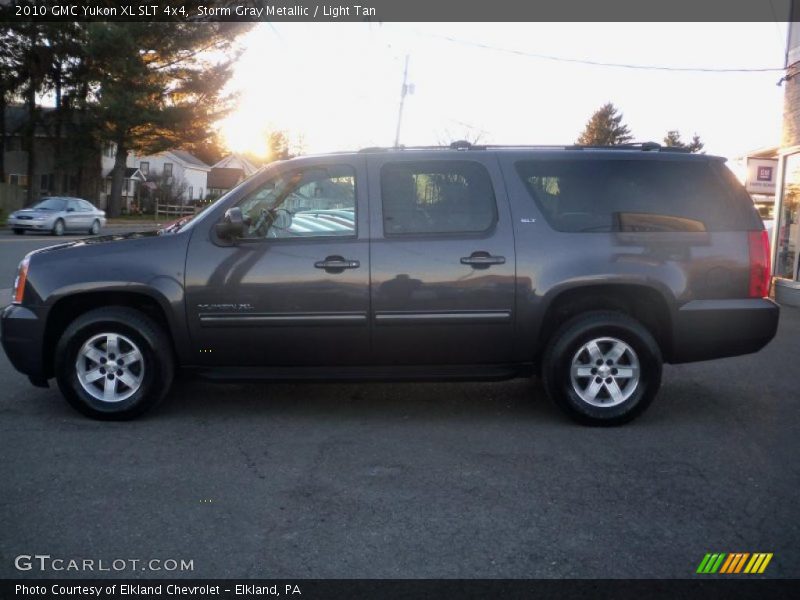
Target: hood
column 101, row 239
column 34, row 212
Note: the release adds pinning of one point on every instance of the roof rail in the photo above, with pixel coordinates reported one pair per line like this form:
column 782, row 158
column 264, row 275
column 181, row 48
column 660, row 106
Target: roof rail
column 464, row 145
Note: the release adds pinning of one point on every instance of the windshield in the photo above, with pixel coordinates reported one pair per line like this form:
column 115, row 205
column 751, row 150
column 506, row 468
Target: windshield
column 57, row 204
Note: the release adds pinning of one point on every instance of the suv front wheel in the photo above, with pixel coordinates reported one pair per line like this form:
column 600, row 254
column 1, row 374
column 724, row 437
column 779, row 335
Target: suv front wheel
column 113, row 363
column 602, row 368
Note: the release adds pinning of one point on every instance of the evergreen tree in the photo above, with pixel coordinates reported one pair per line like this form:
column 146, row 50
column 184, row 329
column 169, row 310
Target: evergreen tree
column 673, row 140
column 156, row 86
column 605, row 128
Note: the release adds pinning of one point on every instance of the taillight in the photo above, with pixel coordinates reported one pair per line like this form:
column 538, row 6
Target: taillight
column 19, row 282
column 758, row 245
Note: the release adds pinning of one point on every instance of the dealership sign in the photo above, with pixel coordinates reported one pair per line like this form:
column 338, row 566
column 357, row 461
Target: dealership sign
column 761, row 174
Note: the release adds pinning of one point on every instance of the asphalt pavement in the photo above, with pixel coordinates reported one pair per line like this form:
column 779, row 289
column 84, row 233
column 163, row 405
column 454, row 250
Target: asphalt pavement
column 438, row 480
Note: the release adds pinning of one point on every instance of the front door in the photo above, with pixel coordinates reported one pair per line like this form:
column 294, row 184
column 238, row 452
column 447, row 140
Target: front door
column 295, row 290
column 443, row 263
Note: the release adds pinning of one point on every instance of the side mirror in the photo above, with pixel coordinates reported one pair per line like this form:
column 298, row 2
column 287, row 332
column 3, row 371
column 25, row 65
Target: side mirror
column 232, row 224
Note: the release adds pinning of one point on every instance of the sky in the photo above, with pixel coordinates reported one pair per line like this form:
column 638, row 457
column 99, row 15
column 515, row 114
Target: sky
column 336, row 86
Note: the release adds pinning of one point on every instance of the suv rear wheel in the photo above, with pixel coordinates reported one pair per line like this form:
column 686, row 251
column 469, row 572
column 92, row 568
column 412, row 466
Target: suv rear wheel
column 113, row 363
column 602, row 368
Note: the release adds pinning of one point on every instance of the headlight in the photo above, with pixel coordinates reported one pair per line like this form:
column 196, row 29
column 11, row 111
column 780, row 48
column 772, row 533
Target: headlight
column 19, row 282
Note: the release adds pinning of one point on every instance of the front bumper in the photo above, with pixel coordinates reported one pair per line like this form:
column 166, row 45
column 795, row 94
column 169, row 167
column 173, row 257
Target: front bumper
column 29, row 224
column 22, row 336
column 707, row 329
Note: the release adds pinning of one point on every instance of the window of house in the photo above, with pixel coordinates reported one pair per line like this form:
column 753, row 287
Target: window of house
column 190, row 193
column 313, row 202
column 167, row 169
column 48, row 182
column 18, row 179
column 144, row 167
column 431, row 197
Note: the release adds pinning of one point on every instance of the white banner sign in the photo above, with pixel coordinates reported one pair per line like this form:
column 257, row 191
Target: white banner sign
column 761, row 175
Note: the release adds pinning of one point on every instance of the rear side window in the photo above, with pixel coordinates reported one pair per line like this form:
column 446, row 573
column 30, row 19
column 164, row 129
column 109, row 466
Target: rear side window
column 430, row 197
column 594, row 195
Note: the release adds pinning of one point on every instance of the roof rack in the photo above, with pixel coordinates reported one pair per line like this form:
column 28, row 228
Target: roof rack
column 464, row 145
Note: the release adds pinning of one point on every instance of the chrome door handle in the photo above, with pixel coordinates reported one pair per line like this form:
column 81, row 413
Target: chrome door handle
column 336, row 264
column 482, row 260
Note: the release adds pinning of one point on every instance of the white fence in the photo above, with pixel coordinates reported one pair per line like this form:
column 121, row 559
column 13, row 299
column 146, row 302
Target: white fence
column 175, row 211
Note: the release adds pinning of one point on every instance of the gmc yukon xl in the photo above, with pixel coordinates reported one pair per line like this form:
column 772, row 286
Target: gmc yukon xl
column 589, row 267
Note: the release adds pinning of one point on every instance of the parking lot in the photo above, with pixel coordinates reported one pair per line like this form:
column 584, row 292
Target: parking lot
column 408, row 480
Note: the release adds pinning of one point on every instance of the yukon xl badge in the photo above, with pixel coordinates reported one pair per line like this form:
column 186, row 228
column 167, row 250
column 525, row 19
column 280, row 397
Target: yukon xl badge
column 233, row 306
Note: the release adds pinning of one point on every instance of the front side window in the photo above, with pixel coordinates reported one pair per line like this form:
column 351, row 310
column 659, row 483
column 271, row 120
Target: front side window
column 430, row 197
column 313, row 202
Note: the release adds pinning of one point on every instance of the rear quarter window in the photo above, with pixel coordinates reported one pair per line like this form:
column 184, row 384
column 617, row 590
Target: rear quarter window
column 597, row 195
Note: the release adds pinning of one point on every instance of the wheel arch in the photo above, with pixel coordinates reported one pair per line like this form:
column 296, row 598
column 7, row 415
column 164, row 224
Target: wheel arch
column 68, row 307
column 645, row 303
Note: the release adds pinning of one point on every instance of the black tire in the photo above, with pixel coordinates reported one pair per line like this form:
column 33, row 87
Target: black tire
column 58, row 227
column 95, row 228
column 19, row 232
column 157, row 361
column 571, row 338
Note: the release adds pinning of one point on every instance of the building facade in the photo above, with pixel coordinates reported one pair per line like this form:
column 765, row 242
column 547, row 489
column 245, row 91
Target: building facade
column 786, row 238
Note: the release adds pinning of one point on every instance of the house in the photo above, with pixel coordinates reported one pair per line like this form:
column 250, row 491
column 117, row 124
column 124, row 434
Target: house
column 134, row 178
column 237, row 161
column 221, row 180
column 63, row 164
column 186, row 174
column 228, row 173
column 786, row 238
column 66, row 163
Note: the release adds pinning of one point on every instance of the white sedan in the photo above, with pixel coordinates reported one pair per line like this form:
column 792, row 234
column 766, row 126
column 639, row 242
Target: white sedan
column 57, row 215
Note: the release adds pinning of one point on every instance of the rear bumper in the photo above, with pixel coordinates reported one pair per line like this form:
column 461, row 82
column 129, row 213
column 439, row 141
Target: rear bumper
column 706, row 329
column 21, row 335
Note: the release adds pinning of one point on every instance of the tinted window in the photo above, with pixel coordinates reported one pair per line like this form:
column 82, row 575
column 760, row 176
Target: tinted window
column 57, row 204
column 436, row 197
column 86, row 206
column 315, row 202
column 632, row 195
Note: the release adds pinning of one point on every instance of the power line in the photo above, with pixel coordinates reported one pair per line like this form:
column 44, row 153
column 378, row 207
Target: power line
column 595, row 63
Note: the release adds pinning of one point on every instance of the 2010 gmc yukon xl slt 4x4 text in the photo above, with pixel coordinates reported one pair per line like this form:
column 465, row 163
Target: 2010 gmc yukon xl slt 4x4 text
column 588, row 266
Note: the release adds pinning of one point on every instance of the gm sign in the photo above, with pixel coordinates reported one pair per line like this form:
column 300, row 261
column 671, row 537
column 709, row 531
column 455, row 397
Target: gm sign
column 761, row 174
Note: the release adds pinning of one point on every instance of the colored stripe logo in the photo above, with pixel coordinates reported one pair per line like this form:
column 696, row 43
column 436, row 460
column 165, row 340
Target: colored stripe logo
column 734, row 563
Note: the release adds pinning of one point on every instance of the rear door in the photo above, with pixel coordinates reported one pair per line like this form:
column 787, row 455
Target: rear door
column 76, row 218
column 442, row 260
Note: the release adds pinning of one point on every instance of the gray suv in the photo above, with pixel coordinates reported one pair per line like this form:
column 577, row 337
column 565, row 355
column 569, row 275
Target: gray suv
column 589, row 267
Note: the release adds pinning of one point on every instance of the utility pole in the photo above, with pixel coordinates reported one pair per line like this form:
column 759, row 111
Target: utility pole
column 405, row 90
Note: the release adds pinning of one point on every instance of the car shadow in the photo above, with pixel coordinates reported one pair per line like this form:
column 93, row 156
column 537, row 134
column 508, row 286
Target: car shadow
column 513, row 399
